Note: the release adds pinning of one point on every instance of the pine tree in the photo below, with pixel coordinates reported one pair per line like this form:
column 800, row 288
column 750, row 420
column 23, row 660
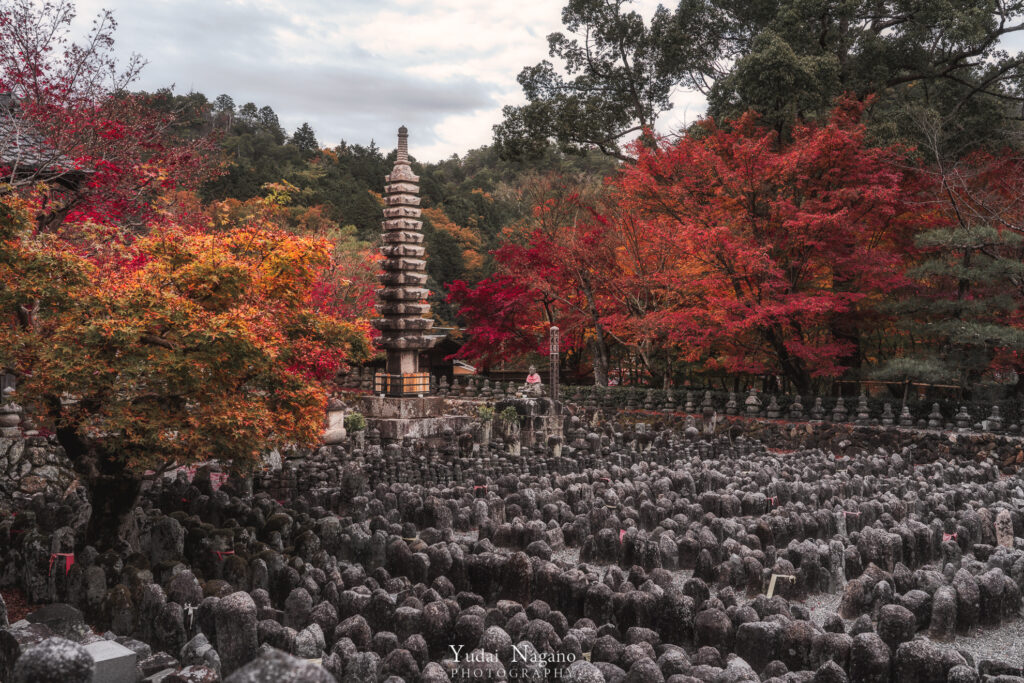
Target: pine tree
column 966, row 313
column 305, row 139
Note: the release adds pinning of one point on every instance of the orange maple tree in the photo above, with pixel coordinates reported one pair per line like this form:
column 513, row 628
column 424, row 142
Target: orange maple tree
column 143, row 332
column 201, row 346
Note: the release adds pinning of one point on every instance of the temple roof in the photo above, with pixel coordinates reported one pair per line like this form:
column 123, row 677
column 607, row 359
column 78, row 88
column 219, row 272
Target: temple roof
column 26, row 153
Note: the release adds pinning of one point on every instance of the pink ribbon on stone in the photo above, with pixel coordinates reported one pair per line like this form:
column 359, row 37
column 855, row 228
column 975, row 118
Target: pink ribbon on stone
column 622, row 534
column 948, row 537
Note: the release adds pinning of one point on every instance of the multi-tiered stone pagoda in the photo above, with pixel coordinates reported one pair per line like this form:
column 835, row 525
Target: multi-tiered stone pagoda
column 403, row 308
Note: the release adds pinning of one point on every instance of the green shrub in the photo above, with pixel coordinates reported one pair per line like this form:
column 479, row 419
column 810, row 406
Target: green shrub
column 485, row 413
column 355, row 422
column 509, row 415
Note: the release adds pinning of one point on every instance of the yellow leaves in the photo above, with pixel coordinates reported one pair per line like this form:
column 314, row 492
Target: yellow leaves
column 441, row 222
column 473, row 260
column 279, row 193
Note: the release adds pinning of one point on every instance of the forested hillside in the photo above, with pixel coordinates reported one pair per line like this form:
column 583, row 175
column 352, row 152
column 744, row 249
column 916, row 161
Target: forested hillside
column 468, row 200
column 851, row 208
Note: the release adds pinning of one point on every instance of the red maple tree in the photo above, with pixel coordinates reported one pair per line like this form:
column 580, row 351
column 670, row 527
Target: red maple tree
column 780, row 250
column 724, row 247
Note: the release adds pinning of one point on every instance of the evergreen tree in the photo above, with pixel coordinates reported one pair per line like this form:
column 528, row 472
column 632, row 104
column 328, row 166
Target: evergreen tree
column 305, row 139
column 269, row 121
column 225, row 104
column 965, row 316
column 788, row 60
column 247, row 112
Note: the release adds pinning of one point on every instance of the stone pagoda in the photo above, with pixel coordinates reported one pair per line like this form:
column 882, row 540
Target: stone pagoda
column 401, row 406
column 404, row 323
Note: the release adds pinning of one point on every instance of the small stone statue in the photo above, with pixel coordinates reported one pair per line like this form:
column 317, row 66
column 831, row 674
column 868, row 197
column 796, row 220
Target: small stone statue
column 533, row 386
column 863, row 416
column 839, row 412
column 796, row 409
column 707, row 405
column 731, row 407
column 753, row 404
column 962, row 418
column 649, row 401
column 906, row 419
column 817, row 410
column 10, row 415
column 994, row 422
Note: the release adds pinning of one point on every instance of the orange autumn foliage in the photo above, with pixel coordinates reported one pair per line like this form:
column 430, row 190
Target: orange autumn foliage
column 202, row 346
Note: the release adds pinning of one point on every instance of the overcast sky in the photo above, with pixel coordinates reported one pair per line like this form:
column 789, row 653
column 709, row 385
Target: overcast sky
column 354, row 69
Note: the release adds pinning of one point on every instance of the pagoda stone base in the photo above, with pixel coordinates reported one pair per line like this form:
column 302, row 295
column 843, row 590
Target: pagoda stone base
column 416, row 418
column 540, row 420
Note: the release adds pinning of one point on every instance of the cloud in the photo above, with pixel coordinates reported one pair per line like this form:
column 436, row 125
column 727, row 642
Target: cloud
column 355, row 70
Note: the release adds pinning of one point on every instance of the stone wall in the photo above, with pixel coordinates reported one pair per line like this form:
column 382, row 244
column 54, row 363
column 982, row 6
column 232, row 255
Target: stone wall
column 32, row 465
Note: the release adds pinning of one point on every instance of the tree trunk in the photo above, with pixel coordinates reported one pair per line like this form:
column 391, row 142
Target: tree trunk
column 112, row 524
column 600, row 361
column 113, row 493
column 600, row 343
column 791, row 367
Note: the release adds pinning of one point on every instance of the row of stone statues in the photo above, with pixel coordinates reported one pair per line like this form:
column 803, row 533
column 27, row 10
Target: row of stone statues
column 470, row 387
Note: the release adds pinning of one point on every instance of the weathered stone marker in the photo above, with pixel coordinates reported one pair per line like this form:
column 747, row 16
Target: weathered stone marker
column 1004, row 528
column 553, row 362
column 114, row 662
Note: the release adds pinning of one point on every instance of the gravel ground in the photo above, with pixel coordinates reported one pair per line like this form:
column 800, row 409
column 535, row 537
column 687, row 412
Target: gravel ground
column 821, row 604
column 17, row 605
column 1005, row 643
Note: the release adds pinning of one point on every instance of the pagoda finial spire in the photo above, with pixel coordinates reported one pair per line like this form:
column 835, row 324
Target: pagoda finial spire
column 403, row 145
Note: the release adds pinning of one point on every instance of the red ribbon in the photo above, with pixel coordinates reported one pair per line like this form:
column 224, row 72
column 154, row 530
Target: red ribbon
column 622, row 534
column 948, row 537
column 774, row 500
column 483, row 486
column 221, row 553
column 69, row 559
